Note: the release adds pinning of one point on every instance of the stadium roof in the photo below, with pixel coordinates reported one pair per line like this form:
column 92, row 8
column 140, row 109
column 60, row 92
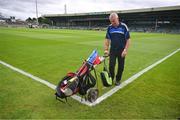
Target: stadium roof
column 169, row 8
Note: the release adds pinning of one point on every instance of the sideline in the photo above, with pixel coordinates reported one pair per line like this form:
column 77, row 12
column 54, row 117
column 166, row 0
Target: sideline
column 104, row 96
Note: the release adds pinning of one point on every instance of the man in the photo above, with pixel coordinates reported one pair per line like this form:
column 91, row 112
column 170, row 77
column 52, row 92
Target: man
column 117, row 39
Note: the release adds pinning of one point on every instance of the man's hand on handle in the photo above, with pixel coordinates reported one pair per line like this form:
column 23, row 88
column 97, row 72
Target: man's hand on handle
column 106, row 53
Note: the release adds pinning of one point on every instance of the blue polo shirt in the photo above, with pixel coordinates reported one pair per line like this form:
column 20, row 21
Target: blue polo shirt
column 118, row 36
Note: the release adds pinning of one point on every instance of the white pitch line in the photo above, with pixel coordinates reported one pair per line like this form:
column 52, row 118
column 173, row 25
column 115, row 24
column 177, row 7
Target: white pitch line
column 131, row 79
column 104, row 96
column 28, row 75
column 45, row 82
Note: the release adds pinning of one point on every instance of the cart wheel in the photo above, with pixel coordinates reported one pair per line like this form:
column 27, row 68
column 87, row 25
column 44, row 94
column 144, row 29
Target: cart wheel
column 92, row 94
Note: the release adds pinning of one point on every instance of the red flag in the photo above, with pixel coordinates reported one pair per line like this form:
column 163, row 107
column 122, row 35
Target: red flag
column 97, row 60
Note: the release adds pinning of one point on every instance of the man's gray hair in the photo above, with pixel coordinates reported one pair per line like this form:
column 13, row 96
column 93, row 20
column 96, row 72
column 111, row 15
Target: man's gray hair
column 113, row 15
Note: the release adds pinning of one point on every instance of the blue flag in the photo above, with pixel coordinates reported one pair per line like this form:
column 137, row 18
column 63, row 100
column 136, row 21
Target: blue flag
column 92, row 57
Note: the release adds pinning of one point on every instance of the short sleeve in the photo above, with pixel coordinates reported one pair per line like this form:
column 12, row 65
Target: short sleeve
column 127, row 34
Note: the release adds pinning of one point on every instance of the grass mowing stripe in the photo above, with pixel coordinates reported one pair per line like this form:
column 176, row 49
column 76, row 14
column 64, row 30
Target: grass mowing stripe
column 50, row 85
column 28, row 75
column 103, row 97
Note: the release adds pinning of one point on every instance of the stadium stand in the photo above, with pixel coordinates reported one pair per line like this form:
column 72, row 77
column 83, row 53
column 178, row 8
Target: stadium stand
column 11, row 22
column 161, row 19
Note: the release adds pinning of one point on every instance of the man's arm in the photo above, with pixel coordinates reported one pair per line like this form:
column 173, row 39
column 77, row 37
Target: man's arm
column 106, row 46
column 124, row 53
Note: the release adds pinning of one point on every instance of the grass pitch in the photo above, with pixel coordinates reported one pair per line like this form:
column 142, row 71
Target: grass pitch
column 50, row 54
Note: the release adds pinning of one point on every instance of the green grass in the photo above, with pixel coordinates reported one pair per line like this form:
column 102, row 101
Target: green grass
column 50, row 54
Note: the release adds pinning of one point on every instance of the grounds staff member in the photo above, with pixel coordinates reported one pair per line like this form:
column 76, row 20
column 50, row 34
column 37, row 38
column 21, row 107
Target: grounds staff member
column 117, row 39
